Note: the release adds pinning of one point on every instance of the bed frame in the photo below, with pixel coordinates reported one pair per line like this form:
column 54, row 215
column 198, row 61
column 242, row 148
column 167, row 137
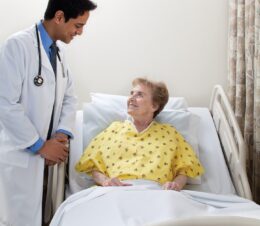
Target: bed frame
column 233, row 145
column 234, row 149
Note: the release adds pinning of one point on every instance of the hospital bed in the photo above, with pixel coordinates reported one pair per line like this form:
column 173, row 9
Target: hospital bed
column 221, row 196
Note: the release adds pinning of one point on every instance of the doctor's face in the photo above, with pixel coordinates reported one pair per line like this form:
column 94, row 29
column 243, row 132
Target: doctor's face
column 68, row 30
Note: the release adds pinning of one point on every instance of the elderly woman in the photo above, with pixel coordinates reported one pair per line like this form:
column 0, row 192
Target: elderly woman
column 141, row 148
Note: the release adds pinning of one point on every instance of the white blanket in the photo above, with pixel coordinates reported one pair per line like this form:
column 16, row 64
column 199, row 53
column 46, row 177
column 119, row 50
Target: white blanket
column 142, row 204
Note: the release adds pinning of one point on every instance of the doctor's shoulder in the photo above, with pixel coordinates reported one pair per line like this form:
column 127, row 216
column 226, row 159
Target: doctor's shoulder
column 19, row 43
column 25, row 36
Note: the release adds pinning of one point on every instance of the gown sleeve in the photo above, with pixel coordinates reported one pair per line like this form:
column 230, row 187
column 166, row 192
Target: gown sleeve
column 185, row 161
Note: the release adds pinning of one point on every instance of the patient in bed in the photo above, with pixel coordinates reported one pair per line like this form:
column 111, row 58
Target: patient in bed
column 140, row 147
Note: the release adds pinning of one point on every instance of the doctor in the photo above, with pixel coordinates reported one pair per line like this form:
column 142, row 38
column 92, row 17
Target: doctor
column 37, row 108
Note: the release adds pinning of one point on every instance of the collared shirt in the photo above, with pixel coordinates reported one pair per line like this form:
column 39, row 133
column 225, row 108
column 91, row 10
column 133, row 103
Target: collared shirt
column 46, row 39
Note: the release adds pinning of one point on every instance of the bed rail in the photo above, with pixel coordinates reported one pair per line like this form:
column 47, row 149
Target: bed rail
column 55, row 190
column 234, row 147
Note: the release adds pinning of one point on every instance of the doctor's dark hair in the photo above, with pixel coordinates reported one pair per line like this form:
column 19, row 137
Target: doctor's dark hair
column 70, row 8
column 160, row 94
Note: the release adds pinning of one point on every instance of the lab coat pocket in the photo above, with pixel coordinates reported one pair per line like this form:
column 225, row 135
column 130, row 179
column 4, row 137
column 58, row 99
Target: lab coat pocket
column 18, row 158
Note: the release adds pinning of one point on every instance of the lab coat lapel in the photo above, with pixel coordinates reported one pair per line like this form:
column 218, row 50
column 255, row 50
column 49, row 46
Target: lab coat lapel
column 59, row 80
column 46, row 64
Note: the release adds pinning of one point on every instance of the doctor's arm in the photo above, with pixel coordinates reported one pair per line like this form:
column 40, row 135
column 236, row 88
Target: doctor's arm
column 17, row 125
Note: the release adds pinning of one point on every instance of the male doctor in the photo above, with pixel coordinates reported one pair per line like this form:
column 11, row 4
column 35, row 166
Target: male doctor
column 37, row 108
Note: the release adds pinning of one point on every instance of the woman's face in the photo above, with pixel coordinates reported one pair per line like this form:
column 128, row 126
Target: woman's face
column 140, row 102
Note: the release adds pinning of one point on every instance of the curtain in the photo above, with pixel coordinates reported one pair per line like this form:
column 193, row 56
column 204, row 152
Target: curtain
column 244, row 79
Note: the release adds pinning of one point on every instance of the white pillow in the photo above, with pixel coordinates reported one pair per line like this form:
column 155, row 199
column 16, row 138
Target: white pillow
column 96, row 118
column 118, row 101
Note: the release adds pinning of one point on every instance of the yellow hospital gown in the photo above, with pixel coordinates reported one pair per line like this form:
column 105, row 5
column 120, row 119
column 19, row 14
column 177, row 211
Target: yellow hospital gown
column 158, row 153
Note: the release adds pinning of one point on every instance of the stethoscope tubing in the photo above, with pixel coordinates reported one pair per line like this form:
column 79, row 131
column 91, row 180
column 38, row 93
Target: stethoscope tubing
column 38, row 79
column 39, row 51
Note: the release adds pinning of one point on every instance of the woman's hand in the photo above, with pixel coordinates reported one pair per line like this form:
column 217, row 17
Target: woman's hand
column 171, row 186
column 105, row 181
column 113, row 182
column 178, row 183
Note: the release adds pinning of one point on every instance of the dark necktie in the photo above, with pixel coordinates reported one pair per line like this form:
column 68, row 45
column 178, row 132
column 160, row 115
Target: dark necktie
column 53, row 60
column 53, row 57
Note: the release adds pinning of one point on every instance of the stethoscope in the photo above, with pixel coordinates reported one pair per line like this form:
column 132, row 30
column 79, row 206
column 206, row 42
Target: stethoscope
column 38, row 79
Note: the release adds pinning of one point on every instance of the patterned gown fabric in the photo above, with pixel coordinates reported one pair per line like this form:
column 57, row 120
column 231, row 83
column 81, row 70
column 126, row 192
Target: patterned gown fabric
column 158, row 153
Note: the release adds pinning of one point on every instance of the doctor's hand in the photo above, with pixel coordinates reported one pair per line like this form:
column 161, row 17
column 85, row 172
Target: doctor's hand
column 54, row 150
column 49, row 162
column 61, row 137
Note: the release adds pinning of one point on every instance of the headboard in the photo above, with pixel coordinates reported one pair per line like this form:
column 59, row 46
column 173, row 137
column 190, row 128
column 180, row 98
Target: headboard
column 234, row 147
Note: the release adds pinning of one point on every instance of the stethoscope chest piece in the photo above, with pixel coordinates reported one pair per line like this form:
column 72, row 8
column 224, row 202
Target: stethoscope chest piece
column 38, row 80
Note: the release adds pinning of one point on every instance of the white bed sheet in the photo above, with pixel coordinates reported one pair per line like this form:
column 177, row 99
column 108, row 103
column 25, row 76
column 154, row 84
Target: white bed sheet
column 145, row 203
column 215, row 180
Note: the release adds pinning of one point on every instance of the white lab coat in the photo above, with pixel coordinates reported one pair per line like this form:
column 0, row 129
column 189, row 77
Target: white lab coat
column 25, row 113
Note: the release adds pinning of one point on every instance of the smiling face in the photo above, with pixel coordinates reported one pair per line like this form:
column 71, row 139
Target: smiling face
column 66, row 31
column 140, row 104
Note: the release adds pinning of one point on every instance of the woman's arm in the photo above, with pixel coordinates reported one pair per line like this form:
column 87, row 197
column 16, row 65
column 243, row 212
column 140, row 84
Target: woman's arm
column 103, row 180
column 177, row 184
